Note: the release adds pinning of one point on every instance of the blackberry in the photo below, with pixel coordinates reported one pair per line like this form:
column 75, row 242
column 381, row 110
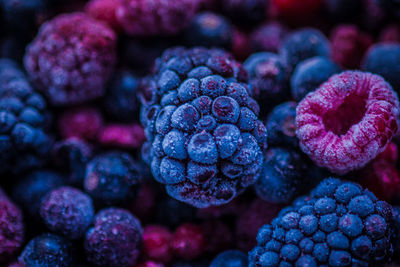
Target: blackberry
column 114, row 240
column 24, row 122
column 338, row 224
column 230, row 258
column 283, row 175
column 310, row 74
column 48, row 250
column 281, row 126
column 303, row 44
column 268, row 78
column 205, row 140
column 112, row 178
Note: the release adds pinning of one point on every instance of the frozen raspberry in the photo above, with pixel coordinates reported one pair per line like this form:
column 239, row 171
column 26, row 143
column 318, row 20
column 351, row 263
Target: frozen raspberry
column 390, row 34
column 71, row 64
column 155, row 17
column 348, row 121
column 205, row 139
column 349, row 45
column 114, row 240
column 67, row 211
column 12, row 229
column 268, row 37
column 156, row 243
column 25, row 139
column 122, row 136
column 104, row 10
column 82, row 122
column 339, row 224
column 188, row 241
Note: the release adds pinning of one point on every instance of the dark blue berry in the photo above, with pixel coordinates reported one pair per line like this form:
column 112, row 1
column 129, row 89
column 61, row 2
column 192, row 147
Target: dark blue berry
column 230, row 258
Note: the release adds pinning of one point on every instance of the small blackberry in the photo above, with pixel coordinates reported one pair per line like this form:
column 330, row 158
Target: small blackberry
column 339, row 224
column 281, row 125
column 310, row 74
column 114, row 240
column 230, row 258
column 112, row 178
column 282, row 177
column 24, row 122
column 48, row 250
column 205, row 140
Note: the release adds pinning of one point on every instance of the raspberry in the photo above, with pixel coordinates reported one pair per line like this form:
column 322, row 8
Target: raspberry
column 122, row 136
column 48, row 250
column 384, row 59
column 268, row 37
column 104, row 10
column 114, row 240
column 12, row 229
column 204, row 136
column 159, row 17
column 112, row 178
column 71, row 64
column 339, row 224
column 188, row 241
column 82, row 122
column 156, row 243
column 348, row 121
column 230, row 258
column 67, row 211
column 24, row 122
column 282, row 175
column 310, row 74
column 349, row 45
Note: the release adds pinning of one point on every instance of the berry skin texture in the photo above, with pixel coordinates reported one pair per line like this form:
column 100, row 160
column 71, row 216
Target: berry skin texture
column 24, row 137
column 71, row 64
column 348, row 121
column 112, row 178
column 47, row 250
column 303, row 44
column 230, row 258
column 282, row 175
column 188, row 241
column 384, row 59
column 204, row 138
column 339, row 223
column 12, row 229
column 310, row 74
column 67, row 211
column 149, row 18
column 114, row 240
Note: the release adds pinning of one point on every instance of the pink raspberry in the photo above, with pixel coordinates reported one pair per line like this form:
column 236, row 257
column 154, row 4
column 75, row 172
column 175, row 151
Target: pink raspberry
column 122, row 136
column 71, row 64
column 104, row 10
column 348, row 121
column 156, row 17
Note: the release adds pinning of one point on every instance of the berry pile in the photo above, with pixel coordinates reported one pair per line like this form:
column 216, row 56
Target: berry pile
column 197, row 133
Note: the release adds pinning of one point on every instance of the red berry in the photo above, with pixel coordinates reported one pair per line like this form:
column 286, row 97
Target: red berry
column 188, row 241
column 295, row 9
column 121, row 135
column 104, row 10
column 156, row 240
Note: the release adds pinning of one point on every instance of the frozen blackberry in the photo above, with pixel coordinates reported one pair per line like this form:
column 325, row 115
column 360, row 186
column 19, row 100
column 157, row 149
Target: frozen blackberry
column 71, row 64
column 303, row 44
column 24, row 122
column 114, row 240
column 342, row 10
column 155, row 17
column 205, row 140
column 339, row 224
column 310, row 74
column 121, row 100
column 30, row 190
column 210, row 29
column 245, row 12
column 283, row 176
column 384, row 59
column 67, row 211
column 268, row 78
column 268, row 37
column 230, row 258
column 12, row 229
column 48, row 250
column 348, row 121
column 112, row 178
column 281, row 125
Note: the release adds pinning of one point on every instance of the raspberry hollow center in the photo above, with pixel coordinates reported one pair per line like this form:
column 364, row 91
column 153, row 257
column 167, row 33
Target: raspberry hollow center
column 349, row 113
